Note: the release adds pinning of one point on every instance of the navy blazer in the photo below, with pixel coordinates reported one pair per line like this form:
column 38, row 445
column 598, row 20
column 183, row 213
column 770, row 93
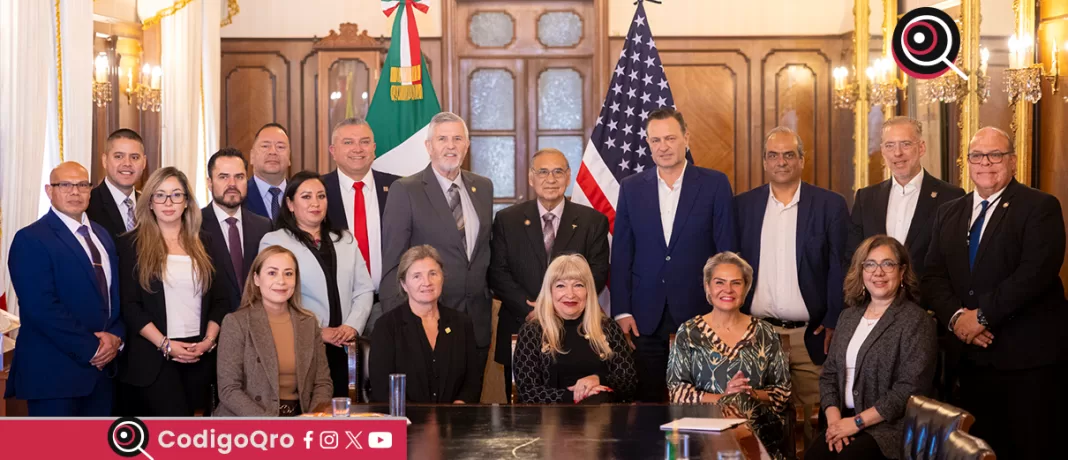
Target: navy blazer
column 254, row 201
column 336, row 208
column 649, row 275
column 822, row 229
column 61, row 309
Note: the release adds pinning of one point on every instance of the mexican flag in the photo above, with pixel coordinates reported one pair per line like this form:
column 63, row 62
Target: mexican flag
column 403, row 103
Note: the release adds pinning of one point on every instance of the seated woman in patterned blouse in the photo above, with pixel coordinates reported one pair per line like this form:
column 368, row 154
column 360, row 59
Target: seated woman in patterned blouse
column 570, row 351
column 729, row 358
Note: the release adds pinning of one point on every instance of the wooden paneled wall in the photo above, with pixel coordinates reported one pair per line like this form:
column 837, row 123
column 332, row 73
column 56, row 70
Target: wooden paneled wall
column 274, row 80
column 1051, row 127
column 733, row 90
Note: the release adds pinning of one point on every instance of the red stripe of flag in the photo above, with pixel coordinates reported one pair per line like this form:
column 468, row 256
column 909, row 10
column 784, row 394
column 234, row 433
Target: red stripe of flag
column 593, row 192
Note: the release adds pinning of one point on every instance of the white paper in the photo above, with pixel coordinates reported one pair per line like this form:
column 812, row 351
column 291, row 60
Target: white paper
column 702, row 424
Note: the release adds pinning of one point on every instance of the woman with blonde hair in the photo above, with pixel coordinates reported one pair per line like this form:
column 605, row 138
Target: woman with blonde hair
column 169, row 303
column 272, row 334
column 570, row 350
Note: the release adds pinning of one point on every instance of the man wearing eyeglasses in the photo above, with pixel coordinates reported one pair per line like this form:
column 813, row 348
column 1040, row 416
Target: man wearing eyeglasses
column 356, row 196
column 527, row 235
column 903, row 206
column 993, row 280
column 65, row 272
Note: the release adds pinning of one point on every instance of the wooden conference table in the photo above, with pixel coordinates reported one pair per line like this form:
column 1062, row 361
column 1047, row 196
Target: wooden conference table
column 560, row 432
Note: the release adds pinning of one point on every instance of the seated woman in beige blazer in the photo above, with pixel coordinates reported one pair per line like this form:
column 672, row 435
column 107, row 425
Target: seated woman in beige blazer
column 271, row 359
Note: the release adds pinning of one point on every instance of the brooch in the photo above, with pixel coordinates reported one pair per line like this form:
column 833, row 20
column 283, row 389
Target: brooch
column 526, row 222
column 574, row 226
column 934, row 194
column 385, row 188
column 1005, row 204
column 473, row 189
column 448, row 330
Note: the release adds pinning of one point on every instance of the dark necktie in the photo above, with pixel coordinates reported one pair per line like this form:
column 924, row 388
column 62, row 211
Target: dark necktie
column 98, row 267
column 359, row 224
column 236, row 259
column 549, row 234
column 975, row 234
column 275, row 191
column 458, row 213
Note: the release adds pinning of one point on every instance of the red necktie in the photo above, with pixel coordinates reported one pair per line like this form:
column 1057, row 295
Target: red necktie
column 359, row 224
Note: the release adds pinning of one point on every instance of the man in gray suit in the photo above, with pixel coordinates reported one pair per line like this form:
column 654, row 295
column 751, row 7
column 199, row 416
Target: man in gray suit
column 451, row 210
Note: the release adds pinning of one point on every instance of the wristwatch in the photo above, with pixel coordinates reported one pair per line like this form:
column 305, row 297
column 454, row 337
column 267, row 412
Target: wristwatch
column 859, row 421
column 981, row 318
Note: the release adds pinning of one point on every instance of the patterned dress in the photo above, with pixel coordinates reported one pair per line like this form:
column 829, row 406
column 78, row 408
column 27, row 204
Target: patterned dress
column 700, row 362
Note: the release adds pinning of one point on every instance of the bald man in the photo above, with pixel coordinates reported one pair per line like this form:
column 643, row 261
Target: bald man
column 992, row 279
column 64, row 269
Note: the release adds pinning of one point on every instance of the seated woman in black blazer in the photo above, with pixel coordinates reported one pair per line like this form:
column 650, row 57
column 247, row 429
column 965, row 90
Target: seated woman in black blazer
column 882, row 352
column 431, row 344
column 168, row 303
column 570, row 351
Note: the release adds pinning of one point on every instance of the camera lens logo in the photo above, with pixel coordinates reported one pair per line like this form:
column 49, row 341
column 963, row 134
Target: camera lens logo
column 128, row 437
column 926, row 42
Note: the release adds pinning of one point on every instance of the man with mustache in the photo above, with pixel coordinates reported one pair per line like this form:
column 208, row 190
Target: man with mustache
column 356, row 196
column 270, row 165
column 65, row 271
column 451, row 210
column 794, row 236
column 233, row 233
column 112, row 202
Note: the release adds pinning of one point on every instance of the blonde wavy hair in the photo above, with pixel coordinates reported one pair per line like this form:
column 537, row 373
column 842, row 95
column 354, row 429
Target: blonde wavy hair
column 148, row 238
column 570, row 267
column 252, row 294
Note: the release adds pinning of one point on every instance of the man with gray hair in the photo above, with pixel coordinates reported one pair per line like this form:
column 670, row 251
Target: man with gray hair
column 451, row 210
column 794, row 236
column 356, row 195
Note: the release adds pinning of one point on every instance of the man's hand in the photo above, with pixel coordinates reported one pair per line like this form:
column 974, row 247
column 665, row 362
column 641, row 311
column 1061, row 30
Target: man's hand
column 346, row 333
column 826, row 338
column 968, row 329
column 629, row 327
column 107, row 350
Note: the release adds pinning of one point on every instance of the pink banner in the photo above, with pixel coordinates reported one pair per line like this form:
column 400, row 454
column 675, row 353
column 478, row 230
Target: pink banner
column 321, row 438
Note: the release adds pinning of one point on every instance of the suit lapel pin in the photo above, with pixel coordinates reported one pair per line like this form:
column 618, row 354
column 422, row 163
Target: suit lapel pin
column 1005, row 204
column 448, row 330
column 526, row 222
column 473, row 189
column 934, row 194
column 385, row 188
column 574, row 226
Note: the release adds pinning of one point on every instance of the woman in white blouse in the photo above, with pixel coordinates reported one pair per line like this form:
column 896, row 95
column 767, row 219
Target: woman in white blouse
column 882, row 352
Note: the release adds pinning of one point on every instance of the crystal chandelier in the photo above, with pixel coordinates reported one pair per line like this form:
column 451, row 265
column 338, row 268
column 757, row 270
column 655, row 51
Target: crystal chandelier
column 144, row 92
column 949, row 87
column 101, row 85
column 1024, row 81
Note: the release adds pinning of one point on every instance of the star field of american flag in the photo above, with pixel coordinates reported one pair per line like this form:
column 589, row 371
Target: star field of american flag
column 638, row 87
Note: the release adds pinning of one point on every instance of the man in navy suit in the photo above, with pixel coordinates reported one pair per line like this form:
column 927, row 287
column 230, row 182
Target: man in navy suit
column 356, row 196
column 270, row 164
column 65, row 272
column 669, row 221
column 233, row 232
column 794, row 236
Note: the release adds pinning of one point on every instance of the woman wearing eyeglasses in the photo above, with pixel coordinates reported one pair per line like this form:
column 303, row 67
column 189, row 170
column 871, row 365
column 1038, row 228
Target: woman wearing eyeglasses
column 171, row 310
column 882, row 352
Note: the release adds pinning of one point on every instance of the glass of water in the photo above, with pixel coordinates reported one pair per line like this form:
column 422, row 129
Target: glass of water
column 341, row 407
column 397, row 393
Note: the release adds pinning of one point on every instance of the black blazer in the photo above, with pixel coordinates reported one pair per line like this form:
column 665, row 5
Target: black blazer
column 399, row 346
column 336, row 208
column 518, row 261
column 253, row 226
column 140, row 361
column 104, row 211
column 1015, row 282
column 869, row 216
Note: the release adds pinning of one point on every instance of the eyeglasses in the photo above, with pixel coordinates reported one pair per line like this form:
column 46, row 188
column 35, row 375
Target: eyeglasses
column 67, row 187
column 788, row 156
column 994, row 157
column 895, row 146
column 176, row 197
column 558, row 173
column 888, row 266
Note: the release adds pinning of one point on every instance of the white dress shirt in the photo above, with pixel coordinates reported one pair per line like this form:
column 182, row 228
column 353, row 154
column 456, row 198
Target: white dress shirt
column 119, row 197
column 901, row 207
column 374, row 220
column 977, row 205
column 859, row 336
column 182, row 296
column 778, row 293
column 221, row 215
column 557, row 211
column 265, row 194
column 73, row 225
column 471, row 221
column 668, row 195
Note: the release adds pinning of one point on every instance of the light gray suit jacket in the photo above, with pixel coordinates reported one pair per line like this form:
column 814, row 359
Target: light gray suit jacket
column 353, row 281
column 418, row 213
column 248, row 365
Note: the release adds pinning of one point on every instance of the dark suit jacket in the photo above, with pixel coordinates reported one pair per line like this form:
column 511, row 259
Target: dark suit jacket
column 1015, row 282
column 649, row 275
column 869, row 216
column 60, row 309
column 104, row 211
column 822, row 225
column 418, row 213
column 141, row 360
column 896, row 360
column 518, row 261
column 255, row 203
column 254, row 227
column 336, row 207
column 399, row 346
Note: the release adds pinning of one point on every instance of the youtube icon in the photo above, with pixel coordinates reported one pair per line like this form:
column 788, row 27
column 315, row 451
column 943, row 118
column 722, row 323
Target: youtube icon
column 380, row 440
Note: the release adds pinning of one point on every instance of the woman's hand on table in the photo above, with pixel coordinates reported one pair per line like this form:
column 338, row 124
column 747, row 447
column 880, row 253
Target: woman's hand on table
column 581, row 388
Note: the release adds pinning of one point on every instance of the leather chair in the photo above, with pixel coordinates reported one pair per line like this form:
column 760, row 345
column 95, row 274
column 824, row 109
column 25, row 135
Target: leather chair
column 928, row 423
column 363, row 388
column 963, row 446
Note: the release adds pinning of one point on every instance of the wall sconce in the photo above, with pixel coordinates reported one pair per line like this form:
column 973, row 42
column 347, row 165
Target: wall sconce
column 101, row 84
column 1023, row 81
column 949, row 87
column 883, row 82
column 145, row 92
column 845, row 89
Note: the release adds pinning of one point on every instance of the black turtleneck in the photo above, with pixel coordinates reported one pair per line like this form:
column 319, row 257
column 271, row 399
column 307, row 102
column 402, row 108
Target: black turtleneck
column 580, row 359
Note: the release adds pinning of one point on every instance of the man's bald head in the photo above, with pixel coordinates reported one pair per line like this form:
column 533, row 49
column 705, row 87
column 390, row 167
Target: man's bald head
column 69, row 169
column 68, row 189
column 993, row 136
